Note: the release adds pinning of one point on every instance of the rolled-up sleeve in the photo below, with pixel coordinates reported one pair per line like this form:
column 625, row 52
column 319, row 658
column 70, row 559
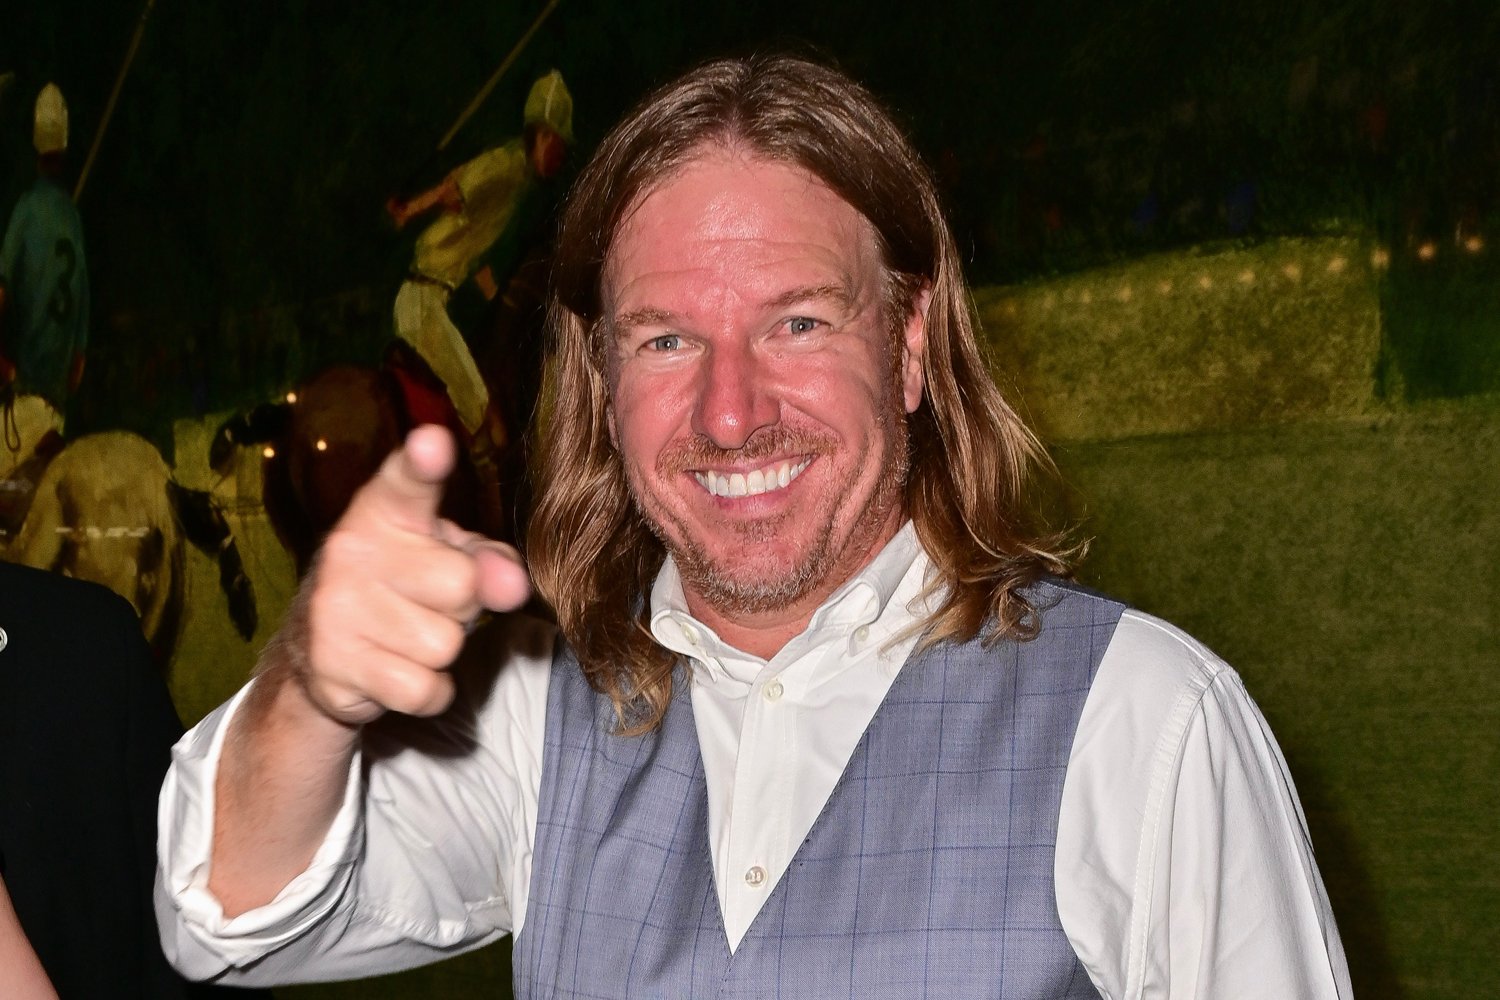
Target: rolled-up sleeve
column 428, row 856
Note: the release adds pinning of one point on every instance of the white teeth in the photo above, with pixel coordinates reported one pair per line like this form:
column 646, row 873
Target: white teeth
column 738, row 484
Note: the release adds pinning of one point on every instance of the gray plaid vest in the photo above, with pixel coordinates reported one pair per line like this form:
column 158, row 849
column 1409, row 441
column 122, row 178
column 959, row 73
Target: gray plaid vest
column 928, row 873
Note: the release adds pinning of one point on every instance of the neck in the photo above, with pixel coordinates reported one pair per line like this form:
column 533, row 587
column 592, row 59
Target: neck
column 761, row 635
column 50, row 166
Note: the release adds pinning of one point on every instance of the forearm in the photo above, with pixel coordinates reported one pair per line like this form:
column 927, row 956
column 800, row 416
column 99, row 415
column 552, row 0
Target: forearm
column 426, row 857
column 21, row 972
column 446, row 194
column 280, row 783
column 293, row 843
column 288, row 938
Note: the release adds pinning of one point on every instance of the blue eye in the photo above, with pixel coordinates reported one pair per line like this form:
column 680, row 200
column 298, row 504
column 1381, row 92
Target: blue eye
column 666, row 342
column 801, row 324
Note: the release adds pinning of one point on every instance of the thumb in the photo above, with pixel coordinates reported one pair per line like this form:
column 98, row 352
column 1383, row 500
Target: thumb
column 408, row 488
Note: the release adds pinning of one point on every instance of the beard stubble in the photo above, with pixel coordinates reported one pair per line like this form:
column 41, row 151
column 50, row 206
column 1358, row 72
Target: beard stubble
column 733, row 594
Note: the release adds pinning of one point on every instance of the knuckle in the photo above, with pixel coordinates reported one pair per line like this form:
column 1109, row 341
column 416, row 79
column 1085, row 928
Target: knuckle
column 416, row 691
column 342, row 548
column 330, row 666
column 444, row 640
column 440, row 696
column 454, row 580
column 334, row 618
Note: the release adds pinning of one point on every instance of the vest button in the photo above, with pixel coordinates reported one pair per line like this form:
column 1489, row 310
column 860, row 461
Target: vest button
column 755, row 877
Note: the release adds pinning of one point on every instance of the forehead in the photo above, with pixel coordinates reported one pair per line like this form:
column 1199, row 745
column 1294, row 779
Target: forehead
column 730, row 219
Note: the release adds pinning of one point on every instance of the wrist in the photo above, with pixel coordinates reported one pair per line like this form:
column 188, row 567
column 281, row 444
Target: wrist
column 291, row 688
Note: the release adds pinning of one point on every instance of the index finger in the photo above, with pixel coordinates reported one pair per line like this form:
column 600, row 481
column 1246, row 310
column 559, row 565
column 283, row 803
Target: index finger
column 407, row 490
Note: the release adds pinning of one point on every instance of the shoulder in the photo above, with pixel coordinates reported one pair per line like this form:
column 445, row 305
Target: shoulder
column 38, row 596
column 47, row 200
column 1054, row 598
column 1151, row 687
column 504, row 160
column 1150, row 660
column 1050, row 590
column 74, row 656
column 26, row 203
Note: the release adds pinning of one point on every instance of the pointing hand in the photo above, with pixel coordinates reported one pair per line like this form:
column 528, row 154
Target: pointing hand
column 394, row 588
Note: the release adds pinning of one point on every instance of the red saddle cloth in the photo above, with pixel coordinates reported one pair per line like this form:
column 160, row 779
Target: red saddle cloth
column 422, row 392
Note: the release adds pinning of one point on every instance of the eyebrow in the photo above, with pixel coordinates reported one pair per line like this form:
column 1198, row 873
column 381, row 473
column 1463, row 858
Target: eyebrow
column 653, row 316
column 839, row 294
column 648, row 316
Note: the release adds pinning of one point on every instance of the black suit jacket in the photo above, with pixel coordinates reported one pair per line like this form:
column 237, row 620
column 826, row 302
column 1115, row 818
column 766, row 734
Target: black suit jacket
column 86, row 726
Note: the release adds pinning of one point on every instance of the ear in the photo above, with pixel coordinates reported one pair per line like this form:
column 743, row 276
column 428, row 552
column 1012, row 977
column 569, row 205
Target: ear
column 913, row 349
column 607, row 376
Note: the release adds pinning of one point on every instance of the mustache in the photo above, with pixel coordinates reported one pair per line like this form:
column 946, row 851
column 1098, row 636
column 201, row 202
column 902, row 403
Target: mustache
column 698, row 452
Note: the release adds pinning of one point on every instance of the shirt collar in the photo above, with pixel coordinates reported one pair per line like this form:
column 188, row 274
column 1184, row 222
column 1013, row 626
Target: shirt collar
column 860, row 601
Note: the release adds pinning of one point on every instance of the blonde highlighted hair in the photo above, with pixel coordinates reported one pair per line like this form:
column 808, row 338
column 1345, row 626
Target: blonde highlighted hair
column 973, row 459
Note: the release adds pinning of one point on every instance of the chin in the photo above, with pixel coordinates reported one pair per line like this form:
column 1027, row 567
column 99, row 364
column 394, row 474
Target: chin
column 766, row 582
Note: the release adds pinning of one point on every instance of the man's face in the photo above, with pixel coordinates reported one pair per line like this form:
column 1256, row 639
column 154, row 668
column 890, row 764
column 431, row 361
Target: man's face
column 758, row 391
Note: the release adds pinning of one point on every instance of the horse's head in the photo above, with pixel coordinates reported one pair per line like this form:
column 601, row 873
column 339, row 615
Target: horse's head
column 263, row 425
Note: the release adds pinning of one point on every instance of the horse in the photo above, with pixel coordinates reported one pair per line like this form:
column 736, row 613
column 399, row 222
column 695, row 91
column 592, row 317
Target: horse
column 329, row 435
column 321, row 443
column 104, row 507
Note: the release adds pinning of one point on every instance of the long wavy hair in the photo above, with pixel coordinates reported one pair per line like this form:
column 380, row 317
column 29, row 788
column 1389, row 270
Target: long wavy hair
column 973, row 459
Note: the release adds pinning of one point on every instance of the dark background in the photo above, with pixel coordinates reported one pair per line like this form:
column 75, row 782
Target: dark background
column 234, row 214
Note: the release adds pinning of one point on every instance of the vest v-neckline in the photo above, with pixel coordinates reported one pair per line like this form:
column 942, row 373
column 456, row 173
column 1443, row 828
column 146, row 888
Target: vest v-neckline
column 909, row 669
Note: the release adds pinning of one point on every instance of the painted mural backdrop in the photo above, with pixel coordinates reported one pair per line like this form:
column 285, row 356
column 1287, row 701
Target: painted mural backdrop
column 1240, row 262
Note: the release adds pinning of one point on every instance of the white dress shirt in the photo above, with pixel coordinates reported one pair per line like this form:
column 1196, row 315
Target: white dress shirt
column 1183, row 864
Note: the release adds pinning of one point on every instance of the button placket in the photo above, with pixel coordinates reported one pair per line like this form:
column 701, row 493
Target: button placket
column 759, row 824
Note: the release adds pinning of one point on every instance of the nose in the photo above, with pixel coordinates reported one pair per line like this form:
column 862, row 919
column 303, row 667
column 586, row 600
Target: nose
column 735, row 397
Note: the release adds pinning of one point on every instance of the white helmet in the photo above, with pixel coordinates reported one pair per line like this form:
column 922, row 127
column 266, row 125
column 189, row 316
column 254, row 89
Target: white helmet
column 49, row 133
column 550, row 104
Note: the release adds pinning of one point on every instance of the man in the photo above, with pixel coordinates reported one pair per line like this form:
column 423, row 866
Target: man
column 821, row 720
column 44, row 289
column 478, row 201
column 86, row 727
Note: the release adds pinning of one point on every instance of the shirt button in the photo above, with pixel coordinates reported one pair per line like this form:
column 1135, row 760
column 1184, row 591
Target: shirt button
column 691, row 634
column 862, row 633
column 755, row 877
column 774, row 691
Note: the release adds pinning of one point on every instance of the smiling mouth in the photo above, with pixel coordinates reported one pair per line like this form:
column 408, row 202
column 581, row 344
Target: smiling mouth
column 749, row 484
